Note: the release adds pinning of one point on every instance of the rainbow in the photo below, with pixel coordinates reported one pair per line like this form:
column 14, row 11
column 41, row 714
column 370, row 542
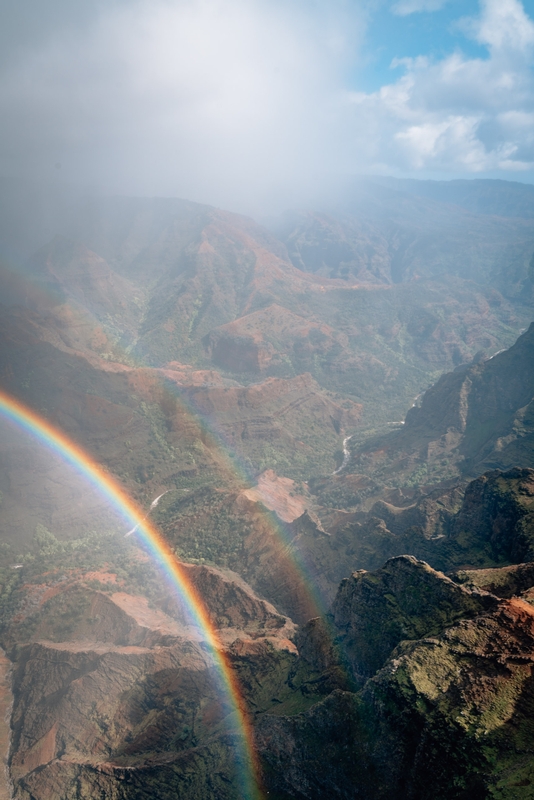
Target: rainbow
column 28, row 420
column 295, row 561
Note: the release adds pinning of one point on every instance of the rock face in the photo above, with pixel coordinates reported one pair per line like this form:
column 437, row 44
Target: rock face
column 487, row 405
column 486, row 522
column 406, row 599
column 386, row 230
column 444, row 709
column 411, row 675
column 479, row 417
column 118, row 698
column 139, row 330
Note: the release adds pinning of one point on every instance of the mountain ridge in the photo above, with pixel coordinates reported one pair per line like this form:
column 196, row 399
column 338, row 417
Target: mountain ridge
column 371, row 582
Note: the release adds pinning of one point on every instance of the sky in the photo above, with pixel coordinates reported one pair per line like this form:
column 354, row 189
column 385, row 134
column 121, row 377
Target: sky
column 261, row 104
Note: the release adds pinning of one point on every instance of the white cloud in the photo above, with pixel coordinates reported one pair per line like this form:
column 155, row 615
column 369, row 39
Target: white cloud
column 220, row 100
column 458, row 114
column 504, row 26
column 246, row 102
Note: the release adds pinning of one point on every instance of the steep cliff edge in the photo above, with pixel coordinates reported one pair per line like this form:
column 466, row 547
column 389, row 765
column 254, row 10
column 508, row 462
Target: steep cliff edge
column 416, row 684
column 445, row 707
column 488, row 522
column 117, row 697
column 479, row 417
column 487, row 405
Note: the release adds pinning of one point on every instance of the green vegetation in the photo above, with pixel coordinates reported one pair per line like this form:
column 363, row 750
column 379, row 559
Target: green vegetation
column 49, row 561
column 444, row 705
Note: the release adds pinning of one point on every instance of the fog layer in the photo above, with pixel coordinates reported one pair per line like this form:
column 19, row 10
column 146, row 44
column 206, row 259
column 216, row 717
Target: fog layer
column 254, row 104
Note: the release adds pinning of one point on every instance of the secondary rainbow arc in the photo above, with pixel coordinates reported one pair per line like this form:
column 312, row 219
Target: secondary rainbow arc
column 29, row 420
column 295, row 561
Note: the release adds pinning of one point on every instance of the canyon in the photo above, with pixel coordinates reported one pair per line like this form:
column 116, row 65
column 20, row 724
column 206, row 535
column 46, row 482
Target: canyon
column 371, row 583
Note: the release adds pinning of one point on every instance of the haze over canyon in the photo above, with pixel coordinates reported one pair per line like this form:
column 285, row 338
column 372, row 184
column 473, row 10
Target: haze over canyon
column 267, row 495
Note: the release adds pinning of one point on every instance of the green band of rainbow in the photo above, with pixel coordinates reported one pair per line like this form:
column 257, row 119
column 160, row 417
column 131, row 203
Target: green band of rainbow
column 72, row 453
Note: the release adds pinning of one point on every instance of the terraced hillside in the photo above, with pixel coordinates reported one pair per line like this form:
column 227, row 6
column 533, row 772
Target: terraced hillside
column 342, row 462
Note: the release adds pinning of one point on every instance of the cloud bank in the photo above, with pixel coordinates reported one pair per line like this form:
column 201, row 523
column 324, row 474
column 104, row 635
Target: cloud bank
column 459, row 115
column 247, row 103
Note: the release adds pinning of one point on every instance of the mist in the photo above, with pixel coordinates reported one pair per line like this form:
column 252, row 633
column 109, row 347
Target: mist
column 256, row 105
column 227, row 103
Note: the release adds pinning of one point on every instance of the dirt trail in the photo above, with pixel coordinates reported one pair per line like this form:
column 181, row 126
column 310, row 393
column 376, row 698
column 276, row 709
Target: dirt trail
column 6, row 699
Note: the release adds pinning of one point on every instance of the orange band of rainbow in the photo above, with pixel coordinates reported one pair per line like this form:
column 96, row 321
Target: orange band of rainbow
column 69, row 451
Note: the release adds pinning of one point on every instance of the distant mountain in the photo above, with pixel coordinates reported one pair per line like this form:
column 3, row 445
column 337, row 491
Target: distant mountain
column 496, row 197
column 476, row 418
column 387, row 231
column 246, row 376
column 374, row 303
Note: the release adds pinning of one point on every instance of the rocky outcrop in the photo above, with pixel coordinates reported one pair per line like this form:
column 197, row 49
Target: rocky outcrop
column 447, row 713
column 406, row 599
column 254, row 342
column 478, row 417
column 117, row 697
column 496, row 519
column 505, row 582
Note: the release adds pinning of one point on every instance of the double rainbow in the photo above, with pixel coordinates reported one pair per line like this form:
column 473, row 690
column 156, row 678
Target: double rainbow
column 28, row 420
